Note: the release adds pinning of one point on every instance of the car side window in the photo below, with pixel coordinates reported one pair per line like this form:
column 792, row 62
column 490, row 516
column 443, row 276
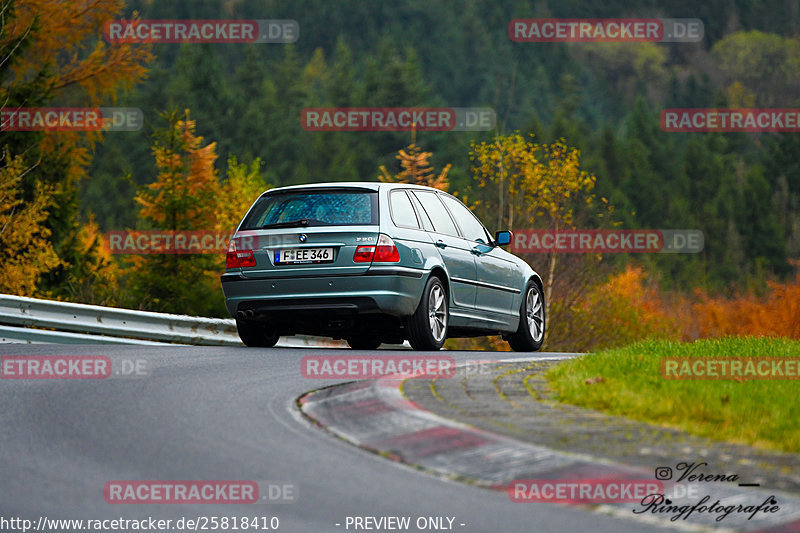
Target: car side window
column 470, row 226
column 427, row 225
column 402, row 211
column 442, row 223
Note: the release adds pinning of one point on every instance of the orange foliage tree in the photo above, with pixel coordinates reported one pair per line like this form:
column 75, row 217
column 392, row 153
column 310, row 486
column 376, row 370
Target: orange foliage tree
column 96, row 278
column 182, row 198
column 68, row 45
column 416, row 169
column 188, row 195
column 623, row 310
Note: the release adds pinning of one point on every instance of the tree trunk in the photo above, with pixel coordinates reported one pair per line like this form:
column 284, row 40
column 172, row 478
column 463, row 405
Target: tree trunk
column 548, row 290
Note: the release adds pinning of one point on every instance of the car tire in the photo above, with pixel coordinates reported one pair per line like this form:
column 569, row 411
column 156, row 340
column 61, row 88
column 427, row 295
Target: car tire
column 364, row 342
column 256, row 334
column 427, row 327
column 530, row 333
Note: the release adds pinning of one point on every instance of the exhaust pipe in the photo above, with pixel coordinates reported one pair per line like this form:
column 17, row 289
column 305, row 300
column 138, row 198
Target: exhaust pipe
column 239, row 314
column 249, row 313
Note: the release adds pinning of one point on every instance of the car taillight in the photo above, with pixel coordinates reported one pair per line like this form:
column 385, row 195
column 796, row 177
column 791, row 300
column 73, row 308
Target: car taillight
column 364, row 254
column 246, row 258
column 385, row 252
column 239, row 258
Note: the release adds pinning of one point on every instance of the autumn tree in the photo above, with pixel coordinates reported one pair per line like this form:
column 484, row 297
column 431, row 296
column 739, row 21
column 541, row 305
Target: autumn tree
column 188, row 195
column 530, row 185
column 95, row 279
column 183, row 197
column 416, row 169
column 537, row 185
column 25, row 248
column 626, row 308
column 244, row 183
column 52, row 54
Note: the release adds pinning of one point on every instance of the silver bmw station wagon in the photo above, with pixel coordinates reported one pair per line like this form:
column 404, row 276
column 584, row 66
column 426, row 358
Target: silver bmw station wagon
column 373, row 263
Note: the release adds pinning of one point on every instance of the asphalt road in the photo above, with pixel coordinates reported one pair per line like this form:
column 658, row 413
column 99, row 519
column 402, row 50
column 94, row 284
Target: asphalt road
column 204, row 413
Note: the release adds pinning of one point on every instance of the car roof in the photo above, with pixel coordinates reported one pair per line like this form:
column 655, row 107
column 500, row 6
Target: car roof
column 372, row 185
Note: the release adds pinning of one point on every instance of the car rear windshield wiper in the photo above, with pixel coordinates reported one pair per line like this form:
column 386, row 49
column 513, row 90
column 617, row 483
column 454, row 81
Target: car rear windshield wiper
column 290, row 224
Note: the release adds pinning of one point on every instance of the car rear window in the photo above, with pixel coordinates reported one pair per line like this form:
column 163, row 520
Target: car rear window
column 317, row 208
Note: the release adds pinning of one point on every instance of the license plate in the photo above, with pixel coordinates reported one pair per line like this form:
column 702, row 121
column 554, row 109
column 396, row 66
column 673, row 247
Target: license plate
column 303, row 255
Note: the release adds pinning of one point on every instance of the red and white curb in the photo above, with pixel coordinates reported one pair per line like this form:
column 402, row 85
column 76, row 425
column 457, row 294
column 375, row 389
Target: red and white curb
column 374, row 415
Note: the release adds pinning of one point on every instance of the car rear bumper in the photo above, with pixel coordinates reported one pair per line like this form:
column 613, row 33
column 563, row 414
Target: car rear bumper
column 394, row 291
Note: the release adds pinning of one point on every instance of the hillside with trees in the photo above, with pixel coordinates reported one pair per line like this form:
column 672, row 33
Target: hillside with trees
column 226, row 118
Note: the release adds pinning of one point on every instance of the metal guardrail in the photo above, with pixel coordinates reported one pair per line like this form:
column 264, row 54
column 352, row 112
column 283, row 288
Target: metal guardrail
column 95, row 319
column 93, row 324
column 22, row 335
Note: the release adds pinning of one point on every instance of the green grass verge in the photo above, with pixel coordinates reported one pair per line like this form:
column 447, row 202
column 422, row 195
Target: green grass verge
column 763, row 413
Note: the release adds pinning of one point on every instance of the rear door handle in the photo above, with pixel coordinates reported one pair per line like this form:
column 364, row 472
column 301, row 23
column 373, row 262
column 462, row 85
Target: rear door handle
column 440, row 244
column 475, row 251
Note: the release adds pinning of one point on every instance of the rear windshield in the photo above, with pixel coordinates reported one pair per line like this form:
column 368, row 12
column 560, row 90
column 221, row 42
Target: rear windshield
column 314, row 208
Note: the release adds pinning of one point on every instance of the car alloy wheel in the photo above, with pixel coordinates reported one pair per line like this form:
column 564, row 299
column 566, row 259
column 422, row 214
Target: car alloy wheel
column 437, row 312
column 534, row 310
column 427, row 327
column 530, row 332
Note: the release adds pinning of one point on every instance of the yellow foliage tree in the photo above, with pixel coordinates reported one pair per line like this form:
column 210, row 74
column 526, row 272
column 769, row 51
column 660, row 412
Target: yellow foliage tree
column 53, row 55
column 539, row 186
column 25, row 250
column 238, row 192
column 503, row 163
column 63, row 42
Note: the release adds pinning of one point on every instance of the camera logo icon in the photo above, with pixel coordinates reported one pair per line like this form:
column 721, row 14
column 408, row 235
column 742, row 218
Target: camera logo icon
column 663, row 473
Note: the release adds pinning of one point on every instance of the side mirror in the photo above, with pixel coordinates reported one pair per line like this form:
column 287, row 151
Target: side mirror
column 502, row 238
